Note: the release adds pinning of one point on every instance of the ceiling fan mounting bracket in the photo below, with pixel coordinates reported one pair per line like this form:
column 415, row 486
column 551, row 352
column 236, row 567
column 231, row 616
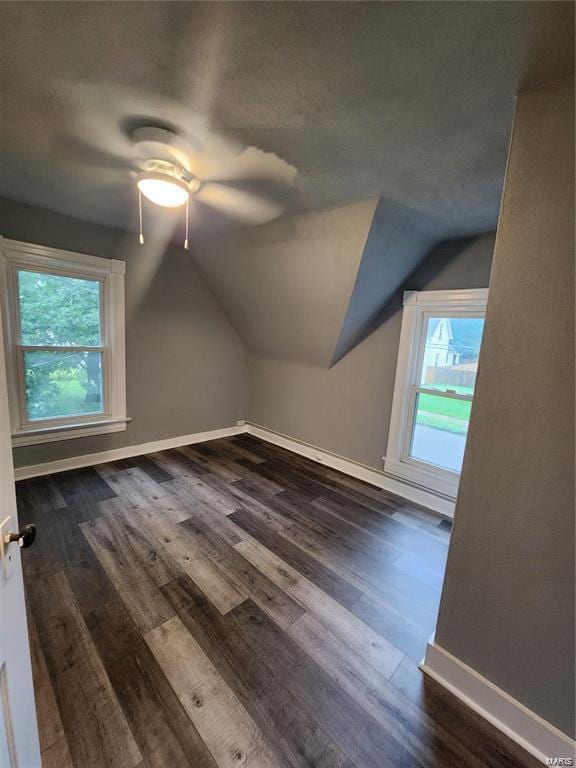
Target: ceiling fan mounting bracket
column 152, row 143
column 146, row 133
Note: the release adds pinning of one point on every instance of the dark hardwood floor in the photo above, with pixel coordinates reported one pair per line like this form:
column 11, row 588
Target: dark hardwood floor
column 232, row 604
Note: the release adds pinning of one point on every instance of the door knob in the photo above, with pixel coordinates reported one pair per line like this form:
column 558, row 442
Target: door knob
column 24, row 538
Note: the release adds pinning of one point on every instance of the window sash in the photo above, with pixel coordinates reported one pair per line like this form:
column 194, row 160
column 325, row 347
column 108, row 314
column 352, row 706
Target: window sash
column 58, row 348
column 442, row 393
column 17, row 256
column 418, row 309
column 424, row 317
column 57, row 421
column 103, row 349
column 416, row 388
column 103, row 289
column 408, row 434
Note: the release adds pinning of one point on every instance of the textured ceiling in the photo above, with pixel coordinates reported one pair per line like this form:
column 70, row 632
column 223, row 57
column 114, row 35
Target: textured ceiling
column 407, row 101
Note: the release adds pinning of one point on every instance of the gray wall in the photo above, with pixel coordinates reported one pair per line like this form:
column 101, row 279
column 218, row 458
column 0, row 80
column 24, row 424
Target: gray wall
column 508, row 604
column 286, row 285
column 346, row 409
column 186, row 365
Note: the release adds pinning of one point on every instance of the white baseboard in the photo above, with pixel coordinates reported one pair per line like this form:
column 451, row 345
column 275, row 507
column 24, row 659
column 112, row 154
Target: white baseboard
column 127, row 452
column 526, row 728
column 355, row 469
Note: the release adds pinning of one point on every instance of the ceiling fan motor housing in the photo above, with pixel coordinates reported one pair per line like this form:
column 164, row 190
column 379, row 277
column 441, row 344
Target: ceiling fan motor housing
column 163, row 170
column 163, row 156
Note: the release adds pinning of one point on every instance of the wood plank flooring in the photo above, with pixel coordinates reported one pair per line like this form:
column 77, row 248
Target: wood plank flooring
column 232, row 604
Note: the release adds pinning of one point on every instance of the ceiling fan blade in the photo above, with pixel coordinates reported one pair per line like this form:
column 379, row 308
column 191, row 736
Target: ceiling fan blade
column 75, row 152
column 238, row 204
column 106, row 178
column 223, row 161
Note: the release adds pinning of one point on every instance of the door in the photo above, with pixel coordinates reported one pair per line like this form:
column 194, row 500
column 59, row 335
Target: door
column 19, row 747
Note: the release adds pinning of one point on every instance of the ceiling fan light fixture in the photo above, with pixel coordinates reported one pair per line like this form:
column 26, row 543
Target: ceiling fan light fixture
column 163, row 189
column 166, row 185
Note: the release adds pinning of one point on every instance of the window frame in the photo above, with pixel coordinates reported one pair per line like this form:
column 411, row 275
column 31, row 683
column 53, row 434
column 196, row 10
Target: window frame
column 15, row 256
column 418, row 307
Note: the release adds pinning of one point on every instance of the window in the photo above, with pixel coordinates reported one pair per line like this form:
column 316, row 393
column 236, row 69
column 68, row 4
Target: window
column 64, row 330
column 435, row 381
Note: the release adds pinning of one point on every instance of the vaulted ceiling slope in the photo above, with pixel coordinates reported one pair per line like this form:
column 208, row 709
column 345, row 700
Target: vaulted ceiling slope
column 286, row 286
column 309, row 288
column 398, row 240
column 405, row 103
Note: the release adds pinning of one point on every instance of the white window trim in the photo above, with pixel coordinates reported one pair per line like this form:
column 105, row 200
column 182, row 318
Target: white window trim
column 418, row 306
column 110, row 272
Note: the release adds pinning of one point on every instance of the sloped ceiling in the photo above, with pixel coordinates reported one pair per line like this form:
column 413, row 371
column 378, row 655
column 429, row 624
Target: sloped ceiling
column 310, row 287
column 398, row 240
column 286, row 286
column 405, row 103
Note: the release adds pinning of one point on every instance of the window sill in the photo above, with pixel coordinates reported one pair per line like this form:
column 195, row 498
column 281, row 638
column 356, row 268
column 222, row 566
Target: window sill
column 437, row 481
column 55, row 434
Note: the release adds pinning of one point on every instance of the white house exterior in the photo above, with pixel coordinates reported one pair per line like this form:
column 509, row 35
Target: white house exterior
column 439, row 352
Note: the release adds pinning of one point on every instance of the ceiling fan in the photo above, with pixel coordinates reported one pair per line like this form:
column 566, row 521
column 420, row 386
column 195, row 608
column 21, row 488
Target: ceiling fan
column 202, row 170
column 170, row 172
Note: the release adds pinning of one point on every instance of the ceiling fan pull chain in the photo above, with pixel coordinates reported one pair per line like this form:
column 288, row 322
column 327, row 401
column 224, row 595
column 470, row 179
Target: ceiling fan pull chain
column 141, row 238
column 186, row 238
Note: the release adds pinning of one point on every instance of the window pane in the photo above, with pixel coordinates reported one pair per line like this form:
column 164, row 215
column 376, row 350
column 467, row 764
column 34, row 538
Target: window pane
column 440, row 430
column 58, row 311
column 451, row 353
column 60, row 384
